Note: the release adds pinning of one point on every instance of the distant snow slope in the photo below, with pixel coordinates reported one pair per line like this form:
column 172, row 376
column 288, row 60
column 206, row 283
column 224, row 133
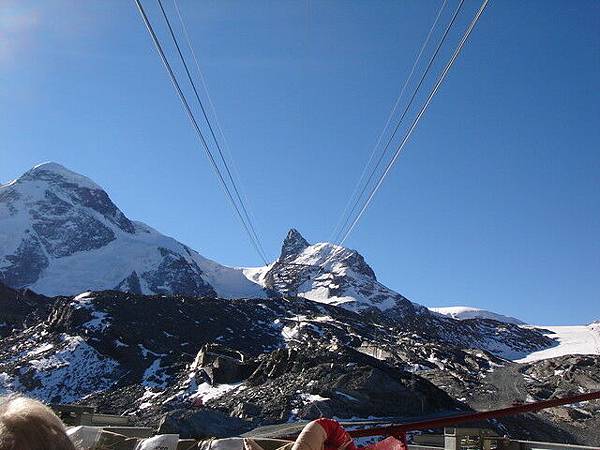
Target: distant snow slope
column 468, row 312
column 572, row 340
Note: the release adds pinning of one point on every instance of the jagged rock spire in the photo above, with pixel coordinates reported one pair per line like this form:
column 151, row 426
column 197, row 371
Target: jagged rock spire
column 293, row 244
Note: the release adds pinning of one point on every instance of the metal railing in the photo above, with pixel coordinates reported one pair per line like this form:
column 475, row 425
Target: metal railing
column 396, row 430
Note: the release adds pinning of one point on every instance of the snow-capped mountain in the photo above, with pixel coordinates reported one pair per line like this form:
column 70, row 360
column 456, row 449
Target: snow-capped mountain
column 60, row 233
column 328, row 273
column 572, row 340
column 468, row 312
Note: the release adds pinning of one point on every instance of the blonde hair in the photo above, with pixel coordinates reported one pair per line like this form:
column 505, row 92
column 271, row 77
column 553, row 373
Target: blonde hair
column 27, row 424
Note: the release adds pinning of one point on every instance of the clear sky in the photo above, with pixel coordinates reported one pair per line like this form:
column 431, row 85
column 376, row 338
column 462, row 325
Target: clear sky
column 495, row 202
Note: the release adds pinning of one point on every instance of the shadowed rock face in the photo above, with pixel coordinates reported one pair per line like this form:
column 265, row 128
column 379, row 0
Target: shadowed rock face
column 130, row 284
column 176, row 274
column 313, row 382
column 79, row 190
column 69, row 216
column 20, row 309
column 563, row 376
column 279, row 359
column 26, row 264
column 63, row 229
column 293, row 244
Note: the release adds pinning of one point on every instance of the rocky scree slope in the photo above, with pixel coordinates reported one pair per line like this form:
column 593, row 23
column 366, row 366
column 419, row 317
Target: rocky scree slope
column 260, row 360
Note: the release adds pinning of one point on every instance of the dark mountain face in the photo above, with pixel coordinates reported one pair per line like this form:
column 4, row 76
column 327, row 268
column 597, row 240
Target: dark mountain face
column 80, row 191
column 313, row 381
column 293, row 244
column 20, row 309
column 261, row 360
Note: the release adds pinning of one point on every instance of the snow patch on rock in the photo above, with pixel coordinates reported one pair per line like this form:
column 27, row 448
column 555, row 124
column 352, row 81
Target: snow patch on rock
column 67, row 375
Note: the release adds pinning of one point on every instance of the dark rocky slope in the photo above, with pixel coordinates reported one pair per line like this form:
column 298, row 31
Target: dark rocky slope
column 273, row 360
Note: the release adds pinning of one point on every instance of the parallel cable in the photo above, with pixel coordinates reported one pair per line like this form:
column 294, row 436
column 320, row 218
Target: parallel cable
column 389, row 119
column 419, row 115
column 192, row 119
column 231, row 180
column 409, row 104
column 212, row 108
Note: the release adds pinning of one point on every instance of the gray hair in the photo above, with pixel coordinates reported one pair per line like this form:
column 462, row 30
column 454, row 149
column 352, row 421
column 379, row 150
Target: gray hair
column 27, row 424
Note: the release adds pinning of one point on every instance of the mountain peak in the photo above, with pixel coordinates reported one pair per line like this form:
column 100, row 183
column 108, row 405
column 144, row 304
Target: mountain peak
column 50, row 166
column 293, row 244
column 51, row 171
column 60, row 233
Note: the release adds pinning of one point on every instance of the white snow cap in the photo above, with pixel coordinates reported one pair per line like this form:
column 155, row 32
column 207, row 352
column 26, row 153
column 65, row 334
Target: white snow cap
column 468, row 312
column 61, row 171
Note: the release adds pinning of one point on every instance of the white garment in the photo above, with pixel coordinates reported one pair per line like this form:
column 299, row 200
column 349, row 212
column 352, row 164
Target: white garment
column 84, row 437
column 160, row 442
column 227, row 444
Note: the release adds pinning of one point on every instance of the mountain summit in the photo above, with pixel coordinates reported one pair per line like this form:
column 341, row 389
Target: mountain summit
column 293, row 244
column 328, row 273
column 60, row 233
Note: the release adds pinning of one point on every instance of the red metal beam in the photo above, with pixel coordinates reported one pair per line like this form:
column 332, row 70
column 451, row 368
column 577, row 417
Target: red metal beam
column 394, row 430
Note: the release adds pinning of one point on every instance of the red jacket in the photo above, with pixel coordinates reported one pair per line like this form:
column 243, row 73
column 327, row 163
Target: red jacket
column 336, row 435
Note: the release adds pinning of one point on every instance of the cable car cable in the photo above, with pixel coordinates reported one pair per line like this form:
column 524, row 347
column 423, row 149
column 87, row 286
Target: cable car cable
column 419, row 115
column 190, row 79
column 387, row 123
column 410, row 102
column 192, row 118
column 213, row 110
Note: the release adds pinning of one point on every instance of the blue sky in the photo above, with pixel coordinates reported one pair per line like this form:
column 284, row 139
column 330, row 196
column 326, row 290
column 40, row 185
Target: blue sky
column 495, row 202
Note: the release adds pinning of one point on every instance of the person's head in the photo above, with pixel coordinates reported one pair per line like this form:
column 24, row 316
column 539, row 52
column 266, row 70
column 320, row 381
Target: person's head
column 27, row 424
